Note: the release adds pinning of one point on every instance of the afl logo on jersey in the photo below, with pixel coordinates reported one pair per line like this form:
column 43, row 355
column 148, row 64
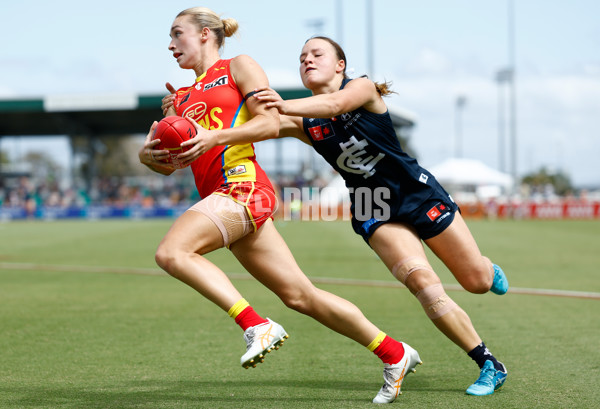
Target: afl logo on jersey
column 219, row 81
column 195, row 111
column 318, row 133
column 438, row 212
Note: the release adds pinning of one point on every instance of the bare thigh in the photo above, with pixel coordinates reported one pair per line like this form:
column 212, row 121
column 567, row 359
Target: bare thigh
column 395, row 242
column 193, row 232
column 267, row 257
column 180, row 254
column 457, row 249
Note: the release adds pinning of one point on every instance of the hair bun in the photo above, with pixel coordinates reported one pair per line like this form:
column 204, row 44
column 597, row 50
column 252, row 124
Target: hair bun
column 230, row 26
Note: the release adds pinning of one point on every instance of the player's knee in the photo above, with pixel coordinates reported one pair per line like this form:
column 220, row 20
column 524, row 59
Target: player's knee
column 405, row 269
column 476, row 286
column 295, row 302
column 435, row 301
column 166, row 259
column 478, row 280
column 297, row 299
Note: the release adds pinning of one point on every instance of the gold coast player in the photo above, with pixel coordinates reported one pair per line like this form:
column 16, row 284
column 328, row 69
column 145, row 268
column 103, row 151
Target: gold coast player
column 348, row 123
column 238, row 200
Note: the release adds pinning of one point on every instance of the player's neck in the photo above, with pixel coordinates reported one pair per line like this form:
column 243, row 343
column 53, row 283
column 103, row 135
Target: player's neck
column 206, row 62
column 327, row 88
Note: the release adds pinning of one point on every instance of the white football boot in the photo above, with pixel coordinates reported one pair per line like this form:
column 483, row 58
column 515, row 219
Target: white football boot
column 262, row 339
column 393, row 375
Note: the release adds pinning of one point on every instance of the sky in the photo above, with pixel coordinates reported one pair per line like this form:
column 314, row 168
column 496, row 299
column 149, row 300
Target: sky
column 433, row 51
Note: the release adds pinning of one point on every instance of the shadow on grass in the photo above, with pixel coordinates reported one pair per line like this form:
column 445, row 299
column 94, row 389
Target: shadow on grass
column 199, row 394
column 160, row 394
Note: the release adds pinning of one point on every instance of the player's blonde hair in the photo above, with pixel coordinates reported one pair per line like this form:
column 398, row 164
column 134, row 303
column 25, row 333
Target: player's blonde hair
column 383, row 88
column 205, row 17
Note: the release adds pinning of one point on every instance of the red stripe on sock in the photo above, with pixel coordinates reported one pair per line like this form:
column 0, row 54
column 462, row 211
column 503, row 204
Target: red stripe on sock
column 249, row 318
column 390, row 351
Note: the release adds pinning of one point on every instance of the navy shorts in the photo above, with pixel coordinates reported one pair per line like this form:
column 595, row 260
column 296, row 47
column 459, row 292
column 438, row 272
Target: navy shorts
column 429, row 219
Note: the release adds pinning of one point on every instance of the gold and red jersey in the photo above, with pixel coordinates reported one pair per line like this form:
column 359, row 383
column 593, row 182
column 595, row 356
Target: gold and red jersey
column 215, row 102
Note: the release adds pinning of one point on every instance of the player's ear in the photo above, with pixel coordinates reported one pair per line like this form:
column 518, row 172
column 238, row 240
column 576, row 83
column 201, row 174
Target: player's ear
column 204, row 33
column 340, row 66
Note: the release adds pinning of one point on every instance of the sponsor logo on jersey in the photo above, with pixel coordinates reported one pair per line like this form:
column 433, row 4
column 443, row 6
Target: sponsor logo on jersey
column 184, row 100
column 216, row 83
column 351, row 120
column 238, row 170
column 423, row 178
column 436, row 211
column 346, row 116
column 367, row 225
column 318, row 133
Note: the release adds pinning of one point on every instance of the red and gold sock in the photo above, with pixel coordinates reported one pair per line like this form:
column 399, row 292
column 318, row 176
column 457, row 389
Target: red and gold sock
column 387, row 349
column 244, row 315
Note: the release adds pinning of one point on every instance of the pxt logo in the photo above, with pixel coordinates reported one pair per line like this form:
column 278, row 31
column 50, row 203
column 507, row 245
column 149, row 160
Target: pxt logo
column 218, row 82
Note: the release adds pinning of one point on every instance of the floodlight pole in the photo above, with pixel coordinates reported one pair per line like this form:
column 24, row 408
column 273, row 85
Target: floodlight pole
column 370, row 41
column 339, row 22
column 317, row 25
column 513, row 91
column 502, row 77
column 461, row 100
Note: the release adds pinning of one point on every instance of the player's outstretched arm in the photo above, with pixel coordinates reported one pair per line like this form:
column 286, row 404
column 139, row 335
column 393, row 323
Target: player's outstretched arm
column 357, row 93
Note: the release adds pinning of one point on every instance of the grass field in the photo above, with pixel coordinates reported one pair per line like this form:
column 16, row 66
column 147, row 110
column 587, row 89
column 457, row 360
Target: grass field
column 88, row 321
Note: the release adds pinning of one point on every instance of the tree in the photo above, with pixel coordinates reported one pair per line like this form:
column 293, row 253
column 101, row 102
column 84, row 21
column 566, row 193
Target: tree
column 43, row 167
column 4, row 157
column 114, row 155
column 560, row 181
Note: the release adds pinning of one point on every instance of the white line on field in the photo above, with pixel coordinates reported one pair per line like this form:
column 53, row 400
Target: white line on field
column 317, row 280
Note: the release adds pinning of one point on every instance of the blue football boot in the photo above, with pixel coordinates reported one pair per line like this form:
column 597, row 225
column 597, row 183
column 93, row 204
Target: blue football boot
column 490, row 379
column 500, row 284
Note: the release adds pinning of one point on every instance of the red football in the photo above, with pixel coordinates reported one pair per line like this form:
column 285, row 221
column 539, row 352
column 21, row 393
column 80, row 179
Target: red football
column 172, row 131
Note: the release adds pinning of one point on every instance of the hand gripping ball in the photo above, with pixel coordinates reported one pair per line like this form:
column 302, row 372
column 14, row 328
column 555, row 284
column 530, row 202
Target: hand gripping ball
column 172, row 131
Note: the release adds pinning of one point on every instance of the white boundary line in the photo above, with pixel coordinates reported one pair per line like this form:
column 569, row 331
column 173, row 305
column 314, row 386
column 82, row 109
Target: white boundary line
column 317, row 280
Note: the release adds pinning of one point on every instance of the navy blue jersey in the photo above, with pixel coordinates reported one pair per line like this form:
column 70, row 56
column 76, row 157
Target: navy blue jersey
column 385, row 183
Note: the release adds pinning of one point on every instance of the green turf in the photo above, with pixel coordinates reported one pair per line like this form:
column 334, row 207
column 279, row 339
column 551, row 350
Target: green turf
column 71, row 338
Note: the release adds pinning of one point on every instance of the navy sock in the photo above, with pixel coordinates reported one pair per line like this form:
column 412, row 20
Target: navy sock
column 480, row 354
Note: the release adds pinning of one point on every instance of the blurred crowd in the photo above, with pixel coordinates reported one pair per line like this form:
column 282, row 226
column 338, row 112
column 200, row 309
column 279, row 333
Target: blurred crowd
column 27, row 196
column 109, row 191
column 145, row 191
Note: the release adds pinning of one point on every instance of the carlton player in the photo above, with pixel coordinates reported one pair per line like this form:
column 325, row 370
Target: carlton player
column 395, row 202
column 237, row 198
